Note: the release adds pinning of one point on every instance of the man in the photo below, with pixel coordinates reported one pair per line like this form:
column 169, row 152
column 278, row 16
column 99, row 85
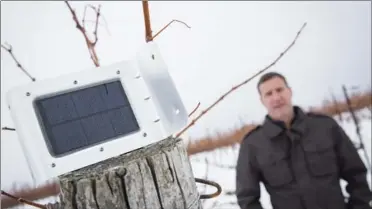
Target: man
column 299, row 157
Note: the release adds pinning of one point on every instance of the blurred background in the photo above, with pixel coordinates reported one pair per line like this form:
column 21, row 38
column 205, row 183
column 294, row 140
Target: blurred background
column 226, row 44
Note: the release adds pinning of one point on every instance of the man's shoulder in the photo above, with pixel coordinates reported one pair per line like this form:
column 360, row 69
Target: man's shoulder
column 252, row 134
column 320, row 116
column 322, row 120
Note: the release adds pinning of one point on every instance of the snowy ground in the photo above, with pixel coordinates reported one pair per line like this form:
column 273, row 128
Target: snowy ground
column 221, row 169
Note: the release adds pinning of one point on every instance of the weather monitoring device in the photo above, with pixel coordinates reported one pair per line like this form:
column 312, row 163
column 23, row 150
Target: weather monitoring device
column 79, row 119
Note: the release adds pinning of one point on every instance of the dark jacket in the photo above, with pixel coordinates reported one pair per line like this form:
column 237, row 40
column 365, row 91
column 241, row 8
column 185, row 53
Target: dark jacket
column 301, row 167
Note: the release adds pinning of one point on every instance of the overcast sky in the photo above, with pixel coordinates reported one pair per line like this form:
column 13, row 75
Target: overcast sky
column 227, row 42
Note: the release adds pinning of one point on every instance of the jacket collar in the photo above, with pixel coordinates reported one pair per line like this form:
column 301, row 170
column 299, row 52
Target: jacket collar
column 272, row 128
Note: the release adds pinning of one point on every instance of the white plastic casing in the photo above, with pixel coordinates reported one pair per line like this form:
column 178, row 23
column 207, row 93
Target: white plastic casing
column 150, row 90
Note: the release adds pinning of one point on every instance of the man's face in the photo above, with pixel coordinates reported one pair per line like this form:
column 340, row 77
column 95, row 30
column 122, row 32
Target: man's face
column 276, row 96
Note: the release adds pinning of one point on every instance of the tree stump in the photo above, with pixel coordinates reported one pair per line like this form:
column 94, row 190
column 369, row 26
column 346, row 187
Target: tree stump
column 156, row 176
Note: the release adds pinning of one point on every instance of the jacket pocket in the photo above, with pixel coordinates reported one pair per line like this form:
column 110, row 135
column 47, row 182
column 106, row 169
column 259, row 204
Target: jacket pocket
column 275, row 170
column 321, row 158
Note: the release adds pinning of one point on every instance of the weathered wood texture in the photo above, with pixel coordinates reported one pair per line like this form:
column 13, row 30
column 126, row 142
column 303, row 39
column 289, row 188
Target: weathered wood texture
column 156, row 176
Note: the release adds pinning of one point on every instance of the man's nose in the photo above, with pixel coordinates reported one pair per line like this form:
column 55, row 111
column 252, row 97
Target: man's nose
column 276, row 97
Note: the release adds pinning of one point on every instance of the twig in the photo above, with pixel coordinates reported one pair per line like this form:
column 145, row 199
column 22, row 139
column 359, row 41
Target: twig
column 166, row 26
column 95, row 22
column 90, row 43
column 242, row 83
column 336, row 106
column 84, row 15
column 357, row 127
column 9, row 49
column 194, row 110
column 31, row 194
column 230, row 193
column 7, row 128
column 85, row 12
column 101, row 24
column 21, row 200
column 148, row 31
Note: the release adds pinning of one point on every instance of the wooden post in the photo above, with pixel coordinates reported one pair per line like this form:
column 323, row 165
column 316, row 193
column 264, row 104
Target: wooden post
column 156, row 176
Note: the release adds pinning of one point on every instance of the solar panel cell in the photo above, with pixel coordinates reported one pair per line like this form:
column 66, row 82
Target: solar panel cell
column 66, row 137
column 59, row 109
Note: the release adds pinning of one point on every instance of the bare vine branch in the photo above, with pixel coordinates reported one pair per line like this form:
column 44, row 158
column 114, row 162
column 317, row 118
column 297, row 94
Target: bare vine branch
column 166, row 26
column 241, row 84
column 81, row 27
column 194, row 110
column 148, row 31
column 9, row 49
column 21, row 200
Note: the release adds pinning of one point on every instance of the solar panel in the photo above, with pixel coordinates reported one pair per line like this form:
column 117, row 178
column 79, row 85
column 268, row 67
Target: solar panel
column 85, row 117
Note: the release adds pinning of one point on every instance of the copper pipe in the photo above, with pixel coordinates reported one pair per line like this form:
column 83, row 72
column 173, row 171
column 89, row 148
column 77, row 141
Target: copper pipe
column 146, row 15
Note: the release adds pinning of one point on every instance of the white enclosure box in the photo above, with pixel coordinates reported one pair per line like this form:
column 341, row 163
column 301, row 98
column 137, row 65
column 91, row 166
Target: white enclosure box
column 79, row 119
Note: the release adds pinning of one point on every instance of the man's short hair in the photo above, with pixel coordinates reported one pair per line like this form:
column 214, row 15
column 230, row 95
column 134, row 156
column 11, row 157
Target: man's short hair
column 268, row 76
